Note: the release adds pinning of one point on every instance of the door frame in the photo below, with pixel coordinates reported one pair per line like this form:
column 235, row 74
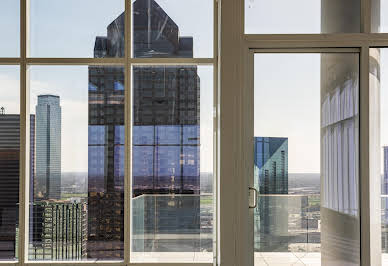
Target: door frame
column 247, row 133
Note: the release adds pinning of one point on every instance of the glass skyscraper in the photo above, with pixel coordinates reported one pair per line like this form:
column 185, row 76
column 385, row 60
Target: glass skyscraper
column 384, row 202
column 271, row 179
column 47, row 183
column 166, row 129
column 271, row 165
column 385, row 177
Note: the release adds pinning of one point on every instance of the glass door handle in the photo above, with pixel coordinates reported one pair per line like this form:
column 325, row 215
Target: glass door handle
column 255, row 193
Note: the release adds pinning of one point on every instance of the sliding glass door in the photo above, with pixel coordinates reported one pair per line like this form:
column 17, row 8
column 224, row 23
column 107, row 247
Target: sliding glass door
column 301, row 141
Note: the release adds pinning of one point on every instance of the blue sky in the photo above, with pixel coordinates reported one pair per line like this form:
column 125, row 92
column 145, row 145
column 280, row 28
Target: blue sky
column 9, row 28
column 79, row 22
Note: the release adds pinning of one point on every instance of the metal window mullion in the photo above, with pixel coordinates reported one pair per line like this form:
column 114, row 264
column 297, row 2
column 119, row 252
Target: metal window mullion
column 306, row 50
column 173, row 61
column 77, row 61
column 10, row 61
column 369, row 233
column 102, row 263
column 172, row 263
column 24, row 139
column 73, row 263
column 365, row 16
column 128, row 131
column 364, row 158
column 215, row 131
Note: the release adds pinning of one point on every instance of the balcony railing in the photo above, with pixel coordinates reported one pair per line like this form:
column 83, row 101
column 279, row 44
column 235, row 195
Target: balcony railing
column 284, row 225
column 287, row 223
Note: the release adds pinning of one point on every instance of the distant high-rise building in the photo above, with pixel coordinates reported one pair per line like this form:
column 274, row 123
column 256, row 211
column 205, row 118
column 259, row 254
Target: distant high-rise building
column 271, row 179
column 58, row 230
column 166, row 127
column 48, row 148
column 384, row 189
column 271, row 165
column 9, row 180
column 384, row 202
column 32, row 157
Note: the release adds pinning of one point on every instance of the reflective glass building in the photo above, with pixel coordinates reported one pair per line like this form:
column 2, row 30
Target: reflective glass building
column 271, row 178
column 271, row 165
column 165, row 129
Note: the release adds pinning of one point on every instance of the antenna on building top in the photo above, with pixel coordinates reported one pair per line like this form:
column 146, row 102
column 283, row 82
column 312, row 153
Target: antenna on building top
column 2, row 111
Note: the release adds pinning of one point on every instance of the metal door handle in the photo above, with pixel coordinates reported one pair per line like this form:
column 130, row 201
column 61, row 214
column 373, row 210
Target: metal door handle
column 255, row 197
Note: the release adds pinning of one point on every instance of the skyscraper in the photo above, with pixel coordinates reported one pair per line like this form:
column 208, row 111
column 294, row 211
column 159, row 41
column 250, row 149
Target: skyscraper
column 271, row 165
column 384, row 201
column 165, row 131
column 9, row 180
column 48, row 148
column 271, row 179
column 58, row 230
column 385, row 180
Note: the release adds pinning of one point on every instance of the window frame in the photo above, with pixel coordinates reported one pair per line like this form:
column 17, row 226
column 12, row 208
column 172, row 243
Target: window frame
column 128, row 61
column 232, row 46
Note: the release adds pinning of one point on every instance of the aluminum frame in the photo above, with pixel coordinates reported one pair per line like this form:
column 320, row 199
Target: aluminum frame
column 234, row 83
column 24, row 61
column 248, row 111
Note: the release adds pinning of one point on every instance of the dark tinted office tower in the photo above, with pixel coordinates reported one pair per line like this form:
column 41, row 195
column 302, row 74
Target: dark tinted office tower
column 106, row 163
column 48, row 148
column 166, row 130
column 165, row 125
column 9, row 180
column 9, row 183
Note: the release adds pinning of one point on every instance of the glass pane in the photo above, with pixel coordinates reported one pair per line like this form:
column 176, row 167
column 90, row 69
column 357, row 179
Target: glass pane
column 172, row 28
column 88, row 32
column 9, row 161
column 302, row 16
column 10, row 28
column 172, row 165
column 77, row 193
column 305, row 170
